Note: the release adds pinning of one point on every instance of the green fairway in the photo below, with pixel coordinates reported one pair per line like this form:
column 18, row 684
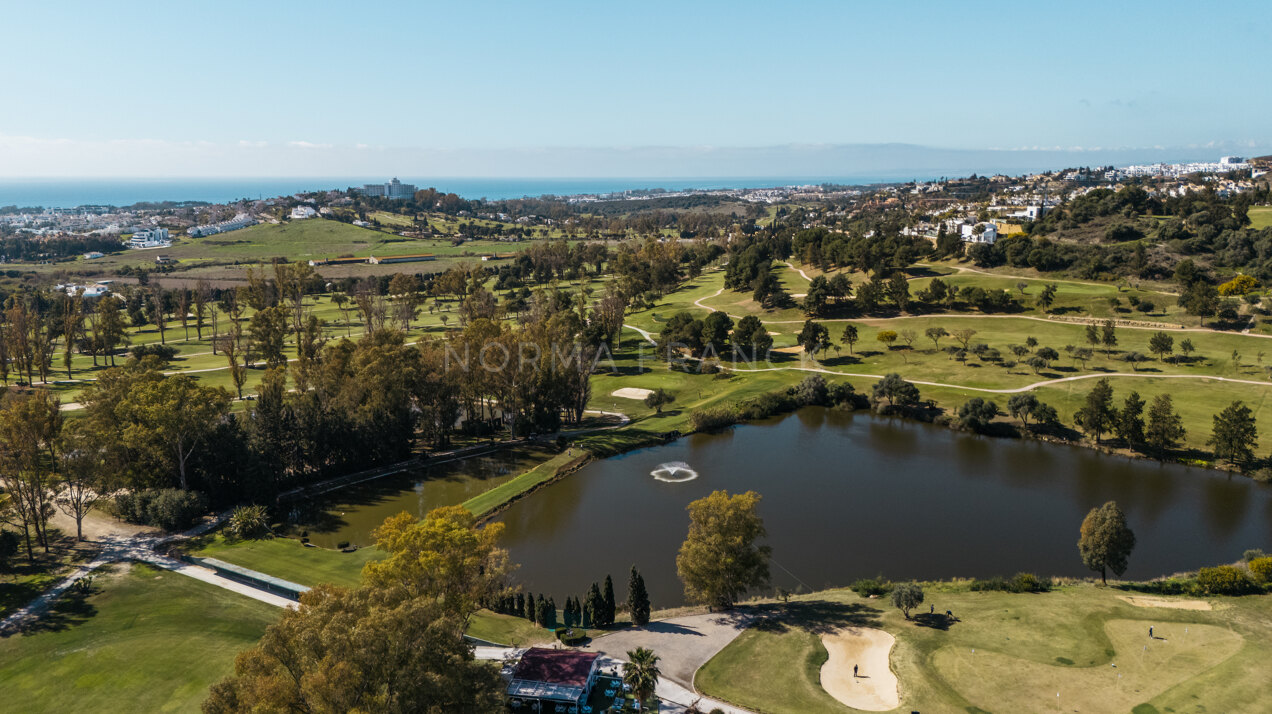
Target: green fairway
column 1260, row 217
column 143, row 640
column 288, row 559
column 1014, row 652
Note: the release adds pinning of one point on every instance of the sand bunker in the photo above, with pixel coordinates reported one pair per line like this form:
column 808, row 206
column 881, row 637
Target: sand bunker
column 875, row 686
column 1147, row 601
column 632, row 393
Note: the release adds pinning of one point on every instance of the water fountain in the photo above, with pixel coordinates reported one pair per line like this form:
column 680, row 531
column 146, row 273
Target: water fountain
column 674, row 472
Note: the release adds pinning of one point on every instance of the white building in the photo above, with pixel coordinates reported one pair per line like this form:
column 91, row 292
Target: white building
column 241, row 220
column 393, row 189
column 302, row 212
column 988, row 233
column 95, row 290
column 150, row 238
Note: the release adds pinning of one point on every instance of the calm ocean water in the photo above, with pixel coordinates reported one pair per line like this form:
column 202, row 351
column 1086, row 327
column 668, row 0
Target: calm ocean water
column 63, row 193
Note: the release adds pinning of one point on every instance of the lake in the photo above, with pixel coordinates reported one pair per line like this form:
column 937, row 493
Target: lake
column 350, row 514
column 851, row 495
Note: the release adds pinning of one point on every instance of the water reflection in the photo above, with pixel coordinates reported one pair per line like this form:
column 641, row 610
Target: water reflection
column 850, row 495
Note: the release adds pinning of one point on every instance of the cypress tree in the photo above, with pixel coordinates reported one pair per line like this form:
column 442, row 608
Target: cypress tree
column 519, row 605
column 549, row 620
column 541, row 611
column 611, row 608
column 567, row 613
column 530, row 613
column 638, row 599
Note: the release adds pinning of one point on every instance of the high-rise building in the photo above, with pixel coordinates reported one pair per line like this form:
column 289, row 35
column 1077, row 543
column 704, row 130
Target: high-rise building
column 393, row 189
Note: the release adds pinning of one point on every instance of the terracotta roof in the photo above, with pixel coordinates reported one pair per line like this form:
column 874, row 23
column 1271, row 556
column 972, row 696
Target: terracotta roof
column 569, row 667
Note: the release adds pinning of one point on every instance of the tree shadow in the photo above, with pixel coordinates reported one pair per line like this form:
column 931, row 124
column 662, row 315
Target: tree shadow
column 816, row 616
column 71, row 608
column 935, row 621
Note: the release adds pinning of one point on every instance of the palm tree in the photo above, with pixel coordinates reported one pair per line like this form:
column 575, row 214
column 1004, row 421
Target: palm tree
column 641, row 672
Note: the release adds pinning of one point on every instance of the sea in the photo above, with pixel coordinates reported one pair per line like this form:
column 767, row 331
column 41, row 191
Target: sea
column 70, row 192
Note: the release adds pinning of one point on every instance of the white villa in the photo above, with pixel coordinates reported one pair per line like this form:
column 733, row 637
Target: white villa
column 303, row 212
column 150, row 238
column 987, row 234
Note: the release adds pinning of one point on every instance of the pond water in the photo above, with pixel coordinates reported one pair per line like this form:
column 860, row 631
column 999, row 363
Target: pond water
column 851, row 495
column 350, row 514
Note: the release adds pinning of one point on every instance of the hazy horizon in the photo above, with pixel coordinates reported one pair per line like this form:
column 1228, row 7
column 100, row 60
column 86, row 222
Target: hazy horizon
column 663, row 89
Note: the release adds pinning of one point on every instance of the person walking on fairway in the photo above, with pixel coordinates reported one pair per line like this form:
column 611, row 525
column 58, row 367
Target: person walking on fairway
column 854, row 670
column 1150, row 632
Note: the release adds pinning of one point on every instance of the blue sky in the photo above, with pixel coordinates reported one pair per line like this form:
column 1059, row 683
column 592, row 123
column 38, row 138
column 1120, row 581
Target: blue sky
column 179, row 88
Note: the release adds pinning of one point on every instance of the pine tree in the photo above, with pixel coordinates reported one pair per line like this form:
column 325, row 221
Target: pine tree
column 637, row 599
column 519, row 605
column 529, row 607
column 1130, row 421
column 585, row 616
column 1097, row 415
column 611, row 607
column 541, row 611
column 1165, row 427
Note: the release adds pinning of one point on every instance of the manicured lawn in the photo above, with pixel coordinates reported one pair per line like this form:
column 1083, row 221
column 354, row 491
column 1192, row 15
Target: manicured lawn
column 286, row 558
column 143, row 640
column 1260, row 217
column 506, row 630
column 1014, row 652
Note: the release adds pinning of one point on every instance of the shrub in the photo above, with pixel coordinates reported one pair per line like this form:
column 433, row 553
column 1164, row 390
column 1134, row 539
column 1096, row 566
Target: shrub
column 713, row 418
column 868, row 587
column 571, row 636
column 1223, row 580
column 247, row 522
column 170, row 508
column 812, row 390
column 1251, row 554
column 1261, row 569
column 9, row 544
column 1018, row 583
column 164, row 353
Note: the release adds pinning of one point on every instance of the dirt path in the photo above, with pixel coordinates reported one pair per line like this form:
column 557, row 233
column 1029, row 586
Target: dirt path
column 1012, row 390
column 871, row 685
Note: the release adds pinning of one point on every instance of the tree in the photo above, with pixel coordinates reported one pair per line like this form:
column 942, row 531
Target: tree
column 1108, row 336
column 1047, row 296
column 899, row 290
column 610, row 605
column 751, row 338
column 906, row 597
column 368, row 649
column 83, row 472
column 1047, row 355
column 964, row 336
column 637, row 599
column 1021, row 406
column 1097, row 414
column 715, row 333
column 819, row 293
column 268, row 329
column 1186, row 346
column 444, row 558
column 1200, row 299
column 1135, row 359
column 1092, row 335
column 1129, row 424
column 976, row 414
column 1165, row 428
column 935, row 334
column 640, row 672
column 172, row 414
column 594, row 606
column 896, row 390
column 1234, row 434
column 719, row 560
column 887, row 337
column 1161, row 344
column 813, row 337
column 1105, row 541
column 658, row 399
column 30, row 424
column 849, row 336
